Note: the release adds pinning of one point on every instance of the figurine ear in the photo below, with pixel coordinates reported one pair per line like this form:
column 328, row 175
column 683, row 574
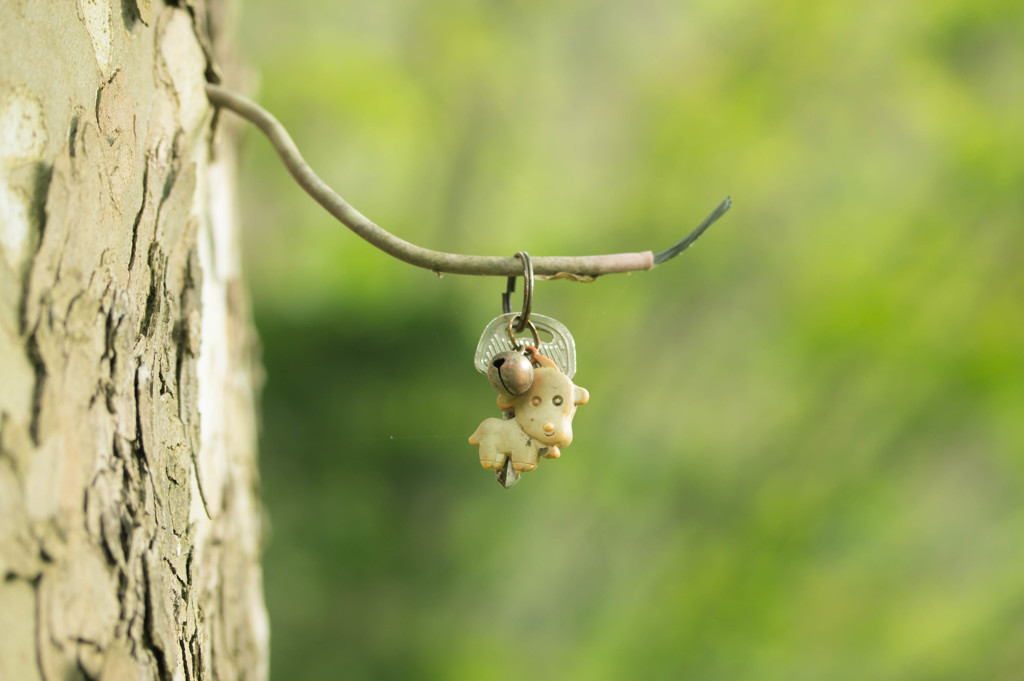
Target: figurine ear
column 581, row 395
column 543, row 362
column 506, row 402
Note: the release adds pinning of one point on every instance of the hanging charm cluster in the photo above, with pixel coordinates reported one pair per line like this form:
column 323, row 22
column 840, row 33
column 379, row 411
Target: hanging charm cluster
column 534, row 384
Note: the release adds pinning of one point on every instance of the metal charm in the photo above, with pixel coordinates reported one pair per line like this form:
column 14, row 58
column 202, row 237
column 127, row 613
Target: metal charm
column 510, row 373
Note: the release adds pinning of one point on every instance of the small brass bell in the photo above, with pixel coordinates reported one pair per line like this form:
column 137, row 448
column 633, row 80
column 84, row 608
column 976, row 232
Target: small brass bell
column 511, row 373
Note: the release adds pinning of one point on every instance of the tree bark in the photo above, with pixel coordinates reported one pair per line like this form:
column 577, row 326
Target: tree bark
column 130, row 518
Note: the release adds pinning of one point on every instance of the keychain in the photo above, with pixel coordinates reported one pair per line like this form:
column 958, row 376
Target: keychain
column 534, row 383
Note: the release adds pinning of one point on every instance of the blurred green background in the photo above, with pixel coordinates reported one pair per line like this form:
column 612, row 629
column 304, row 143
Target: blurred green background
column 803, row 454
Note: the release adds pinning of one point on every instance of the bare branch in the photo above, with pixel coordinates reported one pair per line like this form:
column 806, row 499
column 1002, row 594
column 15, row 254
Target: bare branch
column 582, row 268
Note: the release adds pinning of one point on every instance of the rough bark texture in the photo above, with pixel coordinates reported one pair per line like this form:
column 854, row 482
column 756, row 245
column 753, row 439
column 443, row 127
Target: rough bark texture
column 129, row 509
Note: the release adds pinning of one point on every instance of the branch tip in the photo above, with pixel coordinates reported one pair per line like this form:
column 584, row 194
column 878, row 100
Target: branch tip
column 676, row 249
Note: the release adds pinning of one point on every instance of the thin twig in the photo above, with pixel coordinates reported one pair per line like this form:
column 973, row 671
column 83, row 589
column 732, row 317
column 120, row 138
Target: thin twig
column 577, row 268
column 687, row 241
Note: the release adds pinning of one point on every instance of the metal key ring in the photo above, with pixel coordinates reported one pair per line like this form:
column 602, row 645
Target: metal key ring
column 512, row 333
column 523, row 318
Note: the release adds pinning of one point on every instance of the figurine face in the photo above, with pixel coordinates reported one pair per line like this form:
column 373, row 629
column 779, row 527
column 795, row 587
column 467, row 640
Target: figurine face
column 545, row 412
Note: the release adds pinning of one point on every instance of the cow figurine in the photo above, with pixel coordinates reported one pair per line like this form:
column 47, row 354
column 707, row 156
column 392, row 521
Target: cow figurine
column 538, row 421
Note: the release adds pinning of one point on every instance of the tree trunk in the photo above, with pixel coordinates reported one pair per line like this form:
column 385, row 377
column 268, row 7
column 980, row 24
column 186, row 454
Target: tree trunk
column 129, row 508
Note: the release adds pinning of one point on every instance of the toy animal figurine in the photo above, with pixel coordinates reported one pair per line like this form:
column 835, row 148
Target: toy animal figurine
column 538, row 420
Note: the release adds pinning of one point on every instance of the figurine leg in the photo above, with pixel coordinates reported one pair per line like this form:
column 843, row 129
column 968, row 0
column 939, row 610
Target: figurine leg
column 551, row 452
column 524, row 461
column 491, row 458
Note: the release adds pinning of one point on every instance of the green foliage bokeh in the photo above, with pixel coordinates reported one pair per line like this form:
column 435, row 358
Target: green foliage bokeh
column 803, row 454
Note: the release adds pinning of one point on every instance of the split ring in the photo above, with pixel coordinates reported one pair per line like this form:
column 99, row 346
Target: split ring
column 523, row 318
column 512, row 332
